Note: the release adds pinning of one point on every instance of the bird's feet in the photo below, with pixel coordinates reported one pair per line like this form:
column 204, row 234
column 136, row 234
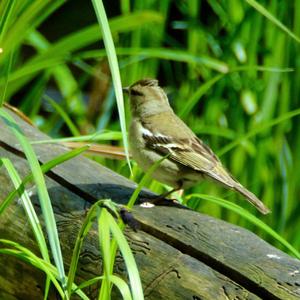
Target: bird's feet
column 159, row 200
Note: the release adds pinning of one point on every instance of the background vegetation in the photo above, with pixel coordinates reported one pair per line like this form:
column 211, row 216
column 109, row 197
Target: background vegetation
column 226, row 66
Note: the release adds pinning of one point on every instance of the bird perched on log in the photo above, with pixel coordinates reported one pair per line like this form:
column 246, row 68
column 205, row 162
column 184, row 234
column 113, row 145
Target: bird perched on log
column 155, row 131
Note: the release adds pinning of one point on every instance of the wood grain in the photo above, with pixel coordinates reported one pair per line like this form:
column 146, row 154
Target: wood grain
column 181, row 254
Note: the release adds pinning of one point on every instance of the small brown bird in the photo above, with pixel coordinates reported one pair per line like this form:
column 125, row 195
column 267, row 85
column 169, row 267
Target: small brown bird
column 156, row 131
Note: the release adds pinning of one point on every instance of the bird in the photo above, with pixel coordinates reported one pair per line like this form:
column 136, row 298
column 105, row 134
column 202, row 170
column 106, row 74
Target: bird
column 156, row 131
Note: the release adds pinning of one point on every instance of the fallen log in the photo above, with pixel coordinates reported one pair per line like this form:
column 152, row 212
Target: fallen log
column 180, row 254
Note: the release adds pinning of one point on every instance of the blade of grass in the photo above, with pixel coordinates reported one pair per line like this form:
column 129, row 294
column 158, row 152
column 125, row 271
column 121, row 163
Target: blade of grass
column 130, row 204
column 36, row 263
column 125, row 6
column 105, row 245
column 72, row 127
column 6, row 18
column 34, row 94
column 146, row 178
column 113, row 64
column 63, row 76
column 181, row 56
column 135, row 281
column 104, row 135
column 29, row 18
column 4, row 21
column 44, row 168
column 60, row 51
column 118, row 282
column 273, row 19
column 260, row 68
column 259, row 129
column 163, row 53
column 197, row 95
column 28, row 207
column 42, row 192
column 87, row 223
column 6, row 78
column 29, row 257
column 31, row 215
column 93, row 212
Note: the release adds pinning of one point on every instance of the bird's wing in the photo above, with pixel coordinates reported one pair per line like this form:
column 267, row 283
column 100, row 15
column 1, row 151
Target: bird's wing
column 179, row 150
column 183, row 147
column 201, row 158
column 190, row 152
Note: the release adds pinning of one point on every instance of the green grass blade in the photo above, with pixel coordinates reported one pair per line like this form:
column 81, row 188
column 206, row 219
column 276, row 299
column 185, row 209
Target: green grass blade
column 63, row 76
column 44, row 168
column 29, row 209
column 6, row 78
column 31, row 215
column 29, row 257
column 4, row 21
column 72, row 127
column 146, row 178
column 163, row 53
column 87, row 223
column 271, row 18
column 89, row 282
column 261, row 69
column 114, row 68
column 104, row 135
column 122, row 286
column 34, row 262
column 42, row 192
column 105, row 245
column 197, row 95
column 259, row 129
column 29, row 18
column 135, row 281
column 125, row 6
column 6, row 18
column 118, row 282
column 60, row 51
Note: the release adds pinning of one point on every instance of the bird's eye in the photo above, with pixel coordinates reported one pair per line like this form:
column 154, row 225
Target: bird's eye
column 136, row 93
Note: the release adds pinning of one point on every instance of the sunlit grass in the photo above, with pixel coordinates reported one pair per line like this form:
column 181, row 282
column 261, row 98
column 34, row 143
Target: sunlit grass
column 231, row 75
column 41, row 190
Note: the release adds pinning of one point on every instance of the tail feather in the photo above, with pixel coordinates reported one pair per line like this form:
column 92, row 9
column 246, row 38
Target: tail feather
column 251, row 198
column 222, row 176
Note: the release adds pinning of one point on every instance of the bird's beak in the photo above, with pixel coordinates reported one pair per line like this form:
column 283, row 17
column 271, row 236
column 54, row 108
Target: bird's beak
column 125, row 90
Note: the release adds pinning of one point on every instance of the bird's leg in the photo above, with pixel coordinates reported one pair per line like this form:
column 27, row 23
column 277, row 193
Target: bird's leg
column 162, row 198
column 166, row 194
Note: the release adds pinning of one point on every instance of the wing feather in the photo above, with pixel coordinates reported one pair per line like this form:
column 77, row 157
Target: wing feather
column 184, row 148
column 192, row 153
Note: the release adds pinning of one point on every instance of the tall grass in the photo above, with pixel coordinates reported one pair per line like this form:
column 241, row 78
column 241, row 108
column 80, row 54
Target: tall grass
column 28, row 18
column 226, row 66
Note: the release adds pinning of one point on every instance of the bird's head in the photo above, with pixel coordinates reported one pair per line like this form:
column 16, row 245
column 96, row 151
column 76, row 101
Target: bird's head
column 146, row 97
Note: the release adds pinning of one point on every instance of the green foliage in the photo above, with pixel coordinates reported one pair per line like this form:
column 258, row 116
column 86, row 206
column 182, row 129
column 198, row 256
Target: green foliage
column 42, row 192
column 226, row 66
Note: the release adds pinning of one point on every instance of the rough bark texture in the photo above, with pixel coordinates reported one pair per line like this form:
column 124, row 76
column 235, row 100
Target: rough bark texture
column 180, row 254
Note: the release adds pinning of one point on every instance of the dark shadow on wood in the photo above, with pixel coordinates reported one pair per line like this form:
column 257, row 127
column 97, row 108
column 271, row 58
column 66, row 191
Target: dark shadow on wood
column 181, row 254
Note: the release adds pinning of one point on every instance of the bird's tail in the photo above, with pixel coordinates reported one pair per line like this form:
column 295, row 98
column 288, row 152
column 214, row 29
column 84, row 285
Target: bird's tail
column 221, row 175
column 251, row 198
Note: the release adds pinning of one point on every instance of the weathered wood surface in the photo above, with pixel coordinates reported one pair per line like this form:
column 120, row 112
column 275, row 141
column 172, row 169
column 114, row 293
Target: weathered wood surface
column 180, row 254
